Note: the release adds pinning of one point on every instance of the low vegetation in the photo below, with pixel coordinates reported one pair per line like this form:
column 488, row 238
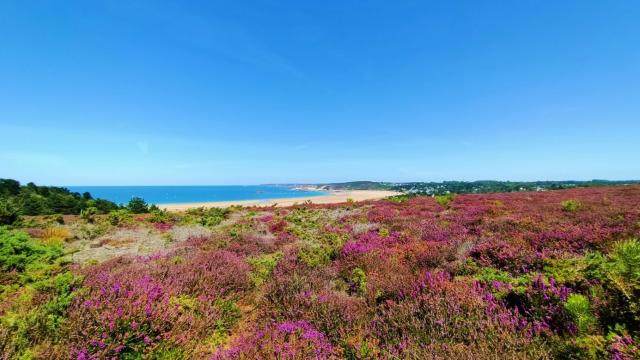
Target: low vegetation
column 522, row 275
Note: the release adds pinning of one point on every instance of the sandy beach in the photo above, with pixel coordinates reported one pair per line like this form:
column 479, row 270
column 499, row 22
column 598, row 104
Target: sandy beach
column 333, row 197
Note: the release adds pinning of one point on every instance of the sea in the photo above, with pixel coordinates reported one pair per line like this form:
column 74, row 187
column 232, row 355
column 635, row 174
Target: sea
column 193, row 194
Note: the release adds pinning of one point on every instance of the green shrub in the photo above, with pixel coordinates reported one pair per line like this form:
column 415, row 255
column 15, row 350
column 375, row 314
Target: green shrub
column 304, row 218
column 488, row 275
column 614, row 280
column 86, row 231
column 214, row 216
column 314, row 254
column 55, row 310
column 159, row 216
column 35, row 292
column 399, row 199
column 623, row 271
column 206, row 217
column 8, row 212
column 137, row 205
column 168, row 351
column 119, row 217
column 89, row 214
column 315, row 246
column 467, row 267
column 195, row 211
column 30, row 324
column 237, row 229
column 19, row 252
column 359, row 281
column 571, row 205
column 567, row 271
column 230, row 314
column 263, row 266
column 184, row 302
column 595, row 266
column 103, row 206
column 9, row 187
column 579, row 309
column 319, row 249
column 590, row 347
column 445, row 199
column 625, row 263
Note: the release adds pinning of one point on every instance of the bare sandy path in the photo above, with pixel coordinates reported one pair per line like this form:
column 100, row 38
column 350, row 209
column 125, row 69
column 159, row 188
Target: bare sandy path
column 333, row 197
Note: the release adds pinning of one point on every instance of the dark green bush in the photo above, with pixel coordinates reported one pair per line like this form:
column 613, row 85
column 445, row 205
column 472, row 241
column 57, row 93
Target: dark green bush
column 213, row 216
column 9, row 187
column 121, row 216
column 103, row 206
column 8, row 212
column 160, row 216
column 138, row 206
column 31, row 199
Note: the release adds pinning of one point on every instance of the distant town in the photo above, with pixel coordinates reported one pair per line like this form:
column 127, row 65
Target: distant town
column 464, row 187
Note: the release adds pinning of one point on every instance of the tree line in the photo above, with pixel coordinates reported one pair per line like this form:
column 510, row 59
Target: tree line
column 17, row 200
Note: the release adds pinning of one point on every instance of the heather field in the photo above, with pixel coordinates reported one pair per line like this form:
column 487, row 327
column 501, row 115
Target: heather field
column 527, row 275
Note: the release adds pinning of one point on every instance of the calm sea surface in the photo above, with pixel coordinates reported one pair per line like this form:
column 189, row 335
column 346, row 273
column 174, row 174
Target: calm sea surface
column 189, row 194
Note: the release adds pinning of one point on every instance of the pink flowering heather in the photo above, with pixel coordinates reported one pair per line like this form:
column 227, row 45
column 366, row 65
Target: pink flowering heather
column 369, row 241
column 528, row 275
column 131, row 306
column 162, row 227
column 286, row 340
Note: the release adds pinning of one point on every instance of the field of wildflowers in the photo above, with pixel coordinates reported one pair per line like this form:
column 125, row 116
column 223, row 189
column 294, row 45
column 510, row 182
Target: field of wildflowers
column 530, row 275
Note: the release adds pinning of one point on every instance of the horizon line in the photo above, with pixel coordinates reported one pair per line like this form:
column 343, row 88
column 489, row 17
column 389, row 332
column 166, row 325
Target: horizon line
column 343, row 182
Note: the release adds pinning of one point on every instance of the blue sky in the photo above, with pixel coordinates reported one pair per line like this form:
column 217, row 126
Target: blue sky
column 238, row 92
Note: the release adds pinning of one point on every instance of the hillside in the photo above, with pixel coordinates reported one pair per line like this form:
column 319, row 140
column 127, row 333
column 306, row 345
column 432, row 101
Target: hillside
column 355, row 185
column 471, row 187
column 521, row 275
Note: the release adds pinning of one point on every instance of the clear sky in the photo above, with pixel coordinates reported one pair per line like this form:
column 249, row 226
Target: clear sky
column 247, row 92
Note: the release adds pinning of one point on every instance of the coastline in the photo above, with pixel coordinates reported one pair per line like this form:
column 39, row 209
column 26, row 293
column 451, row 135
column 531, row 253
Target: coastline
column 333, row 197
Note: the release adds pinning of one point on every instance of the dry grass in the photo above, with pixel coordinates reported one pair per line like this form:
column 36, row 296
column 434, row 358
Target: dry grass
column 55, row 235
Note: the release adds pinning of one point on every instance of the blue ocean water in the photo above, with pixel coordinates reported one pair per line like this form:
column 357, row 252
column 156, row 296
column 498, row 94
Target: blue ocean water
column 190, row 194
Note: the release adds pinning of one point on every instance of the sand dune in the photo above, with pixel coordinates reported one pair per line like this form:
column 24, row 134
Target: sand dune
column 331, row 198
